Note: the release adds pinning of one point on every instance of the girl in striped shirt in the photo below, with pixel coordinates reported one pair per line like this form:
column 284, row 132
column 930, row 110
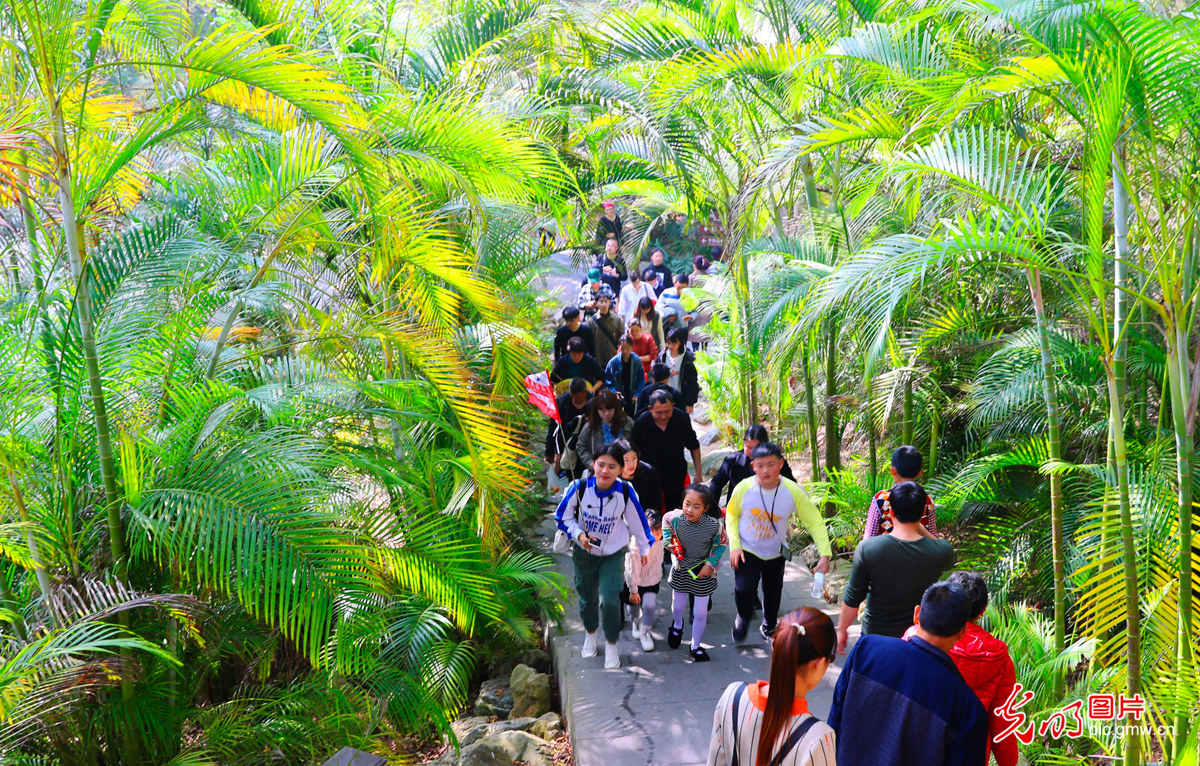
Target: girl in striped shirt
column 765, row 724
column 695, row 539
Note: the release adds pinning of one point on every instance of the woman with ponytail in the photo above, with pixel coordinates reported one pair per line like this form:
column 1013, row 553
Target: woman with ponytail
column 768, row 723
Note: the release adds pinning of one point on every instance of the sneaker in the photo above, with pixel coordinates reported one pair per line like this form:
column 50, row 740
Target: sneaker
column 612, row 658
column 637, row 629
column 740, row 628
column 647, row 641
column 767, row 633
column 589, row 645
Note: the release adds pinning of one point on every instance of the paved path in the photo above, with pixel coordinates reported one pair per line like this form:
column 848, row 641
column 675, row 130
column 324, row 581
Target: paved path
column 657, row 708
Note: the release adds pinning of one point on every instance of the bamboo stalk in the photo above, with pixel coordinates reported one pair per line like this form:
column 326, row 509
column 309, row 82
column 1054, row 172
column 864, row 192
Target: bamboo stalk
column 1054, row 448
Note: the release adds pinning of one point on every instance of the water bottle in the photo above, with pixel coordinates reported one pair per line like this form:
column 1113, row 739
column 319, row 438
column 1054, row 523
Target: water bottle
column 818, row 588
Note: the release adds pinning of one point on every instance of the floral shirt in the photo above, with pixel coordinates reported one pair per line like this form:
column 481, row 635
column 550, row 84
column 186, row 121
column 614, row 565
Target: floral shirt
column 879, row 515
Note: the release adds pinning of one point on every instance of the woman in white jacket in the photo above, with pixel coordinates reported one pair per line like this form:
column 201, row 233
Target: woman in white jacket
column 600, row 514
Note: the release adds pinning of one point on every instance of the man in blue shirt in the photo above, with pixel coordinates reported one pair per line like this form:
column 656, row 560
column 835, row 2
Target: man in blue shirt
column 904, row 703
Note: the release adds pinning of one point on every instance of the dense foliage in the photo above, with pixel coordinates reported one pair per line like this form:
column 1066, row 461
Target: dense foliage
column 265, row 311
column 270, row 300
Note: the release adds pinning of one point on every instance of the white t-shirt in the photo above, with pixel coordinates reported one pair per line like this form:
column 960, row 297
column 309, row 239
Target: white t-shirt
column 675, row 363
column 630, row 297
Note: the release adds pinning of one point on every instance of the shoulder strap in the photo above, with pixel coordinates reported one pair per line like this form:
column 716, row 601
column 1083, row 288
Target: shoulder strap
column 797, row 735
column 625, row 490
column 605, row 330
column 737, row 703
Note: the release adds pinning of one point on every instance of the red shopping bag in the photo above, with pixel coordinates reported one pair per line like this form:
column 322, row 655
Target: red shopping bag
column 541, row 394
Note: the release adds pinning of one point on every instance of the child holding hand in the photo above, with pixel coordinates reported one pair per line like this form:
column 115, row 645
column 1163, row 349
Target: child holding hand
column 694, row 537
column 643, row 581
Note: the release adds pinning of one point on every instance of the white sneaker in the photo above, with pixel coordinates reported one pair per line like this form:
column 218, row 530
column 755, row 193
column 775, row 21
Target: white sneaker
column 647, row 641
column 612, row 658
column 589, row 645
column 637, row 629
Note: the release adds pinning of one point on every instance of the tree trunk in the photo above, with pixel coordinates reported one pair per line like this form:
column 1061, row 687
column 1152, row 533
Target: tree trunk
column 1133, row 632
column 833, row 438
column 1120, row 312
column 872, row 446
column 29, row 216
column 1120, row 277
column 43, row 579
column 814, row 446
column 935, row 422
column 1183, row 422
column 222, row 337
column 1180, row 396
column 810, row 196
column 1054, row 448
column 83, row 307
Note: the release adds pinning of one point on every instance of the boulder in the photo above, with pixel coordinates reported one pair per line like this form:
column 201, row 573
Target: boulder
column 464, row 725
column 710, row 436
column 530, row 692
column 520, row 746
column 485, row 729
column 485, row 754
column 495, row 698
column 712, row 461
column 547, row 727
column 536, row 659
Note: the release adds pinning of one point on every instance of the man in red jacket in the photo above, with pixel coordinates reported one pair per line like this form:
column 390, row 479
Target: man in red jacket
column 985, row 665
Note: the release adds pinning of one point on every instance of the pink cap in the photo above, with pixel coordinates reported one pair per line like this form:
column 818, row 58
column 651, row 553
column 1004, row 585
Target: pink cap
column 607, row 203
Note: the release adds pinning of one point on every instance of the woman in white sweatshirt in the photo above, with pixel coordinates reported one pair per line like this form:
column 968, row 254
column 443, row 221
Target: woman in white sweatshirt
column 600, row 514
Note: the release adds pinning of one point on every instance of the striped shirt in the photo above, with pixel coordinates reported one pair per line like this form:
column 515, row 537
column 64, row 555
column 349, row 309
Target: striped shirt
column 816, row 748
column 701, row 544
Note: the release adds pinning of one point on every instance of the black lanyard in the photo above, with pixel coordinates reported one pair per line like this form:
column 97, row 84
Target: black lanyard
column 771, row 513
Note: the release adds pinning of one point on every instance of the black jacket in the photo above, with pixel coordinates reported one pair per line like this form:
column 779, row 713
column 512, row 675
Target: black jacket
column 648, row 487
column 689, row 379
column 564, row 334
column 614, row 283
column 665, row 277
column 666, row 446
column 604, row 227
column 734, row 469
column 568, row 412
column 588, row 369
column 643, row 400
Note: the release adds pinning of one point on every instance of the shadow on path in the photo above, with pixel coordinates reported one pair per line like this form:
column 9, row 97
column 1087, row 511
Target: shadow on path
column 657, row 708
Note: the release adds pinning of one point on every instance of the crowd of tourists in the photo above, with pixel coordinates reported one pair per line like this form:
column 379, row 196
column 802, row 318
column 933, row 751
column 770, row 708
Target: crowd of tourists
column 923, row 683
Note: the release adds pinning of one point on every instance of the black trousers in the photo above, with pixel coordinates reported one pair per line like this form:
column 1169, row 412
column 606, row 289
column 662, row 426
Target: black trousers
column 745, row 587
column 672, row 489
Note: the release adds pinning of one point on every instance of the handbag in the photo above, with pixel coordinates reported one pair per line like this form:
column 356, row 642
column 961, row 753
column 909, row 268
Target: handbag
column 562, row 543
column 570, row 457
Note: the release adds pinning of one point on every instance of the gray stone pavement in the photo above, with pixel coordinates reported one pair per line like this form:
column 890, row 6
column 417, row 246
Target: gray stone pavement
column 657, row 708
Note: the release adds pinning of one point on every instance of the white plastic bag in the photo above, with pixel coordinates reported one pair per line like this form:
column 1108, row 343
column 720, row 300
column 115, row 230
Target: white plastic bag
column 553, row 484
